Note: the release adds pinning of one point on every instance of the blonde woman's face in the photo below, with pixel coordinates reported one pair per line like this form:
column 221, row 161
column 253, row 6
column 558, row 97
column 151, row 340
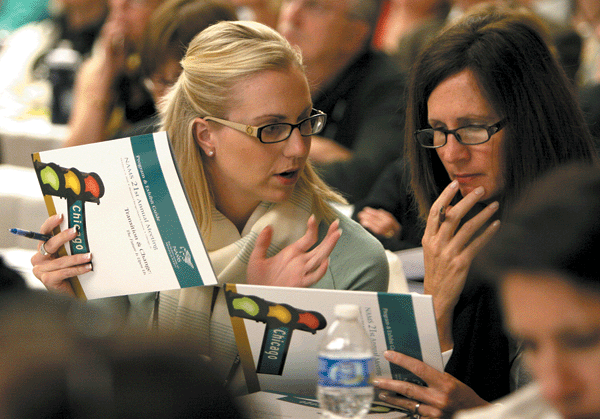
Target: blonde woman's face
column 559, row 325
column 244, row 171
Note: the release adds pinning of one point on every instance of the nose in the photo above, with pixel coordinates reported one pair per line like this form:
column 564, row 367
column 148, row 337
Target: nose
column 557, row 378
column 453, row 151
column 296, row 145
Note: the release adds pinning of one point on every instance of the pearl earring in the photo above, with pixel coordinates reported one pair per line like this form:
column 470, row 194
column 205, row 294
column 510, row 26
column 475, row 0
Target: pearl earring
column 210, row 153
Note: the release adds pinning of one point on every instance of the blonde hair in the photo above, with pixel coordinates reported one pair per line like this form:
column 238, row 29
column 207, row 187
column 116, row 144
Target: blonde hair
column 216, row 59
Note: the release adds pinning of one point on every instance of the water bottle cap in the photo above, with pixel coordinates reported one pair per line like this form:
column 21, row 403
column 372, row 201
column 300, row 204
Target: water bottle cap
column 347, row 311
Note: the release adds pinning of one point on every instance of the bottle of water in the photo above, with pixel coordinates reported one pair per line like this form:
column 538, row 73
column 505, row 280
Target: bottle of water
column 345, row 387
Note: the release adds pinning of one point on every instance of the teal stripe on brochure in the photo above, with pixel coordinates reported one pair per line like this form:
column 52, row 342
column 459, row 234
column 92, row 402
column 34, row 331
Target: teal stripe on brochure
column 400, row 330
column 164, row 212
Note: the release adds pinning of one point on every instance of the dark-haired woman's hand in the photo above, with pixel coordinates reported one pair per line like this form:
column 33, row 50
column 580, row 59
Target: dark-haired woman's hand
column 443, row 396
column 449, row 250
column 53, row 270
column 297, row 265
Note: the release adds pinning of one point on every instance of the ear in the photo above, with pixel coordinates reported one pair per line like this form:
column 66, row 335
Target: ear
column 202, row 135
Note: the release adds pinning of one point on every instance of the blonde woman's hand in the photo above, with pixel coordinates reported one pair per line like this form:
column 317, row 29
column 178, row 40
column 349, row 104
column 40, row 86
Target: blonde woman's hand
column 297, row 265
column 53, row 270
column 443, row 396
column 449, row 250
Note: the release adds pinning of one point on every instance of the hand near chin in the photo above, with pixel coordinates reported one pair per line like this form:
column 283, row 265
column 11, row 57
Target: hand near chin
column 297, row 265
column 443, row 396
column 449, row 249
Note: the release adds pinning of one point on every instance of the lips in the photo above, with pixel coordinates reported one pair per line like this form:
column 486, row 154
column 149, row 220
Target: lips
column 466, row 177
column 288, row 176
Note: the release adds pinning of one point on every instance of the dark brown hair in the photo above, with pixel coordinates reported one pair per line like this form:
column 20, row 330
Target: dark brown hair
column 507, row 50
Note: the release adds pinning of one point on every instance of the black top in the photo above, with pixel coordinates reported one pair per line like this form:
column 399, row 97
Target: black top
column 391, row 192
column 365, row 113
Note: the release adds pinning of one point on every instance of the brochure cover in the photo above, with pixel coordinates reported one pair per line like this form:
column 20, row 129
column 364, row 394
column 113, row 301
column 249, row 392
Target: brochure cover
column 270, row 405
column 278, row 331
column 133, row 215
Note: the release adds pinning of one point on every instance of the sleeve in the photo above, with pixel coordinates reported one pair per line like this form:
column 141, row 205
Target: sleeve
column 391, row 193
column 358, row 261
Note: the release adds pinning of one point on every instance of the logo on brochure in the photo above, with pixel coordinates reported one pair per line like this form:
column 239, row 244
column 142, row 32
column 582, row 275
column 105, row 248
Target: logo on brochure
column 280, row 319
column 77, row 188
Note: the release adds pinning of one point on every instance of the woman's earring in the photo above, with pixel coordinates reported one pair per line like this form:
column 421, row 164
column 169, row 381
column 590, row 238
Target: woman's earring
column 210, row 153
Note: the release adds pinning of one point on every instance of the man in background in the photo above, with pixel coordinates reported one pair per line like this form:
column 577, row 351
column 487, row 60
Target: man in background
column 360, row 90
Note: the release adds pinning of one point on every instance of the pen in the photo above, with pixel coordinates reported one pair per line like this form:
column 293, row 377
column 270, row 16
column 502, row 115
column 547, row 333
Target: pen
column 30, row 234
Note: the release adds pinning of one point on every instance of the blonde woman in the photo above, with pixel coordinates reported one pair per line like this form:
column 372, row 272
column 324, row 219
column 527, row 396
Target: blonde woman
column 240, row 119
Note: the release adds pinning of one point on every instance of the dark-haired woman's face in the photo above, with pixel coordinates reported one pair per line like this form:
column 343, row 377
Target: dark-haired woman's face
column 456, row 102
column 559, row 325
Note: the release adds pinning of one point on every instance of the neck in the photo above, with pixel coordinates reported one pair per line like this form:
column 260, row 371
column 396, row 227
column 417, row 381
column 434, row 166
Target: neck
column 83, row 15
column 236, row 208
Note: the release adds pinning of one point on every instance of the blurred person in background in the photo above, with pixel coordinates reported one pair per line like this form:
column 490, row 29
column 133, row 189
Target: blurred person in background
column 360, row 90
column 544, row 264
column 171, row 28
column 109, row 93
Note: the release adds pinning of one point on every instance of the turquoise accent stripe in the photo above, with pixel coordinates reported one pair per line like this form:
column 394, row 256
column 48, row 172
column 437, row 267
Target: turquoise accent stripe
column 400, row 330
column 274, row 349
column 163, row 211
column 79, row 244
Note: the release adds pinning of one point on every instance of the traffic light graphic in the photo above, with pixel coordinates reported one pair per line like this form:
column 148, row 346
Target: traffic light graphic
column 280, row 320
column 77, row 188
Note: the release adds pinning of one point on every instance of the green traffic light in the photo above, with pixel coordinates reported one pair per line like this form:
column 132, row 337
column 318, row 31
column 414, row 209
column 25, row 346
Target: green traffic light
column 50, row 177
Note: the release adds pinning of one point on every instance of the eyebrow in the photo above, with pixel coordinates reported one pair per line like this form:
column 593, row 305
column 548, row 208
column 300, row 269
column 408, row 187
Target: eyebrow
column 280, row 118
column 466, row 121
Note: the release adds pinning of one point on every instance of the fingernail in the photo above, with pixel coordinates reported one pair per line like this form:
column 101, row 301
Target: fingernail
column 479, row 190
column 88, row 256
column 89, row 267
column 454, row 184
column 75, row 230
column 383, row 396
column 494, row 205
column 376, row 382
column 57, row 217
column 496, row 223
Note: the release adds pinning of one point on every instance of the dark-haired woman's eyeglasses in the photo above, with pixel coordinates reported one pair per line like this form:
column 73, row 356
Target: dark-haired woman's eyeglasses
column 275, row 133
column 467, row 135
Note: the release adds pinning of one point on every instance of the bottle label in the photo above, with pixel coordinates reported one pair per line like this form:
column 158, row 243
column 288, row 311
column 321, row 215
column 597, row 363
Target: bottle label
column 345, row 372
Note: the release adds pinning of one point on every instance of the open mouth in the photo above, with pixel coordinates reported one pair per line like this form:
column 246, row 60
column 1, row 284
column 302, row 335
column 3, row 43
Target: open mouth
column 289, row 174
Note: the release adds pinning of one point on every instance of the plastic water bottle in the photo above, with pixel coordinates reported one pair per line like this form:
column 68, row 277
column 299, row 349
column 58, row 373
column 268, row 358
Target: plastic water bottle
column 345, row 387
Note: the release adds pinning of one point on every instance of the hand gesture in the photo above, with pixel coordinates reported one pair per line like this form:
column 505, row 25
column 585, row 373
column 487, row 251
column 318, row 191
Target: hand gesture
column 449, row 250
column 53, row 270
column 379, row 221
column 443, row 396
column 295, row 265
